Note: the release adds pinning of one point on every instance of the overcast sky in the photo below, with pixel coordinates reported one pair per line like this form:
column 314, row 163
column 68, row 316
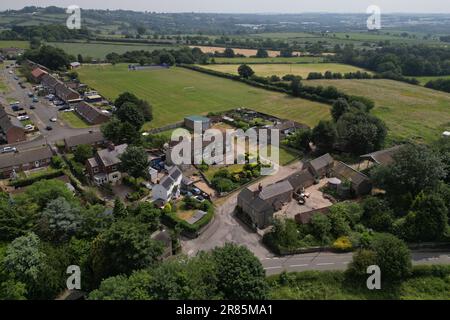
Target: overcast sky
column 245, row 6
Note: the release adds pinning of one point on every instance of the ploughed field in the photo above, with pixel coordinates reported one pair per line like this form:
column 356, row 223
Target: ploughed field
column 410, row 112
column 178, row 92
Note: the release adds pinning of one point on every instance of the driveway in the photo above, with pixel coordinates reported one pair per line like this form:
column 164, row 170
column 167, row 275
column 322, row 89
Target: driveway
column 227, row 228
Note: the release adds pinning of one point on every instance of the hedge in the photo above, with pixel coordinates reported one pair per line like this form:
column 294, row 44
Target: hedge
column 44, row 176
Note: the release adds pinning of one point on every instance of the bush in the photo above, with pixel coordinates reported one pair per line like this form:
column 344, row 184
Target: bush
column 37, row 177
column 343, row 244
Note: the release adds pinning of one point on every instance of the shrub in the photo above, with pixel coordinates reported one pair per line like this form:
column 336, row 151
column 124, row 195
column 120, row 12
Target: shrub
column 343, row 244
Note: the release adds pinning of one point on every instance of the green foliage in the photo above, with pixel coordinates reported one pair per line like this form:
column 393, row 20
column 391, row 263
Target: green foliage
column 324, row 135
column 240, row 274
column 339, row 108
column 134, row 161
column 120, row 211
column 245, row 71
column 377, row 214
column 321, row 227
column 129, row 112
column 82, row 153
column 49, row 56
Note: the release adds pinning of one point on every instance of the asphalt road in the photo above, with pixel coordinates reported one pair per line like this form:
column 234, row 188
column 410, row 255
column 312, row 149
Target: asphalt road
column 339, row 261
column 41, row 115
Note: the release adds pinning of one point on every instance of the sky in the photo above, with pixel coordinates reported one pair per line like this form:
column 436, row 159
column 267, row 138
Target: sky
column 245, row 6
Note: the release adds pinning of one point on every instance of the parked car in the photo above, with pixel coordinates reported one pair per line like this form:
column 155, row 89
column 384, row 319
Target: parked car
column 35, row 99
column 48, row 128
column 29, row 127
column 30, row 94
column 8, row 149
column 16, row 108
column 196, row 191
column 23, row 118
column 53, row 119
column 32, row 107
column 64, row 107
column 199, row 198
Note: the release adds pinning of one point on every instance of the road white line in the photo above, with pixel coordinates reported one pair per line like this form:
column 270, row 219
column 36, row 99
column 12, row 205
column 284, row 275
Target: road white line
column 271, row 268
column 325, row 264
column 299, row 265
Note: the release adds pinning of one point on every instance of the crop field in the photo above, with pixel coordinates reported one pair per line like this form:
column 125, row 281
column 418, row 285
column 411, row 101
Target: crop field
column 410, row 112
column 98, row 50
column 177, row 92
column 268, row 60
column 244, row 52
column 14, row 44
column 265, row 70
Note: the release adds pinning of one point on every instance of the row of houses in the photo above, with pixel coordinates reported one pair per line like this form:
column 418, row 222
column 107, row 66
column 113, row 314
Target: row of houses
column 13, row 163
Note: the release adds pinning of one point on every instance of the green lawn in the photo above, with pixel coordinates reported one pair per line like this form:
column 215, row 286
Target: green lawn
column 265, row 70
column 14, row 44
column 212, row 170
column 410, row 112
column 73, row 120
column 177, row 92
column 269, row 60
column 98, row 50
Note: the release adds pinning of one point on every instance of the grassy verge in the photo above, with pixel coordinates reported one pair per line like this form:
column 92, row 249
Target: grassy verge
column 73, row 120
column 426, row 282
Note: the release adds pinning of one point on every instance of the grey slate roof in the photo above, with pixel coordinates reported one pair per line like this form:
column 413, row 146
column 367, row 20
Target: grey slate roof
column 85, row 138
column 300, row 179
column 321, row 162
column 7, row 121
column 90, row 113
column 275, row 190
column 19, row 158
column 344, row 171
column 111, row 157
column 383, row 157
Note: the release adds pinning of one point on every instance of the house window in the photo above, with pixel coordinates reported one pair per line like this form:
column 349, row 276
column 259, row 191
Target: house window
column 115, row 176
column 96, row 170
column 36, row 164
column 114, row 168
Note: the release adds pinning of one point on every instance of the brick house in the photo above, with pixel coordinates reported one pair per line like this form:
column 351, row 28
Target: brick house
column 104, row 166
column 37, row 74
column 91, row 114
column 24, row 160
column 11, row 128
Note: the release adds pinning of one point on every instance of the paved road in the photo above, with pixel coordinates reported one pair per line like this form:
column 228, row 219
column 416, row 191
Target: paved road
column 41, row 115
column 338, row 261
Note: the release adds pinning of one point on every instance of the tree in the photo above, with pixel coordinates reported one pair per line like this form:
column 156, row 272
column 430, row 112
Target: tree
column 229, row 53
column 357, row 269
column 146, row 213
column 324, row 135
column 340, row 106
column 134, row 161
column 120, row 211
column 245, row 71
column 112, row 130
column 377, row 214
column 360, row 132
column 262, row 53
column 392, row 256
column 296, row 87
column 129, row 112
column 126, row 246
column 15, row 221
column 25, row 260
column 321, row 227
column 83, row 152
column 61, row 220
column 301, row 139
column 240, row 274
column 415, row 168
column 428, row 219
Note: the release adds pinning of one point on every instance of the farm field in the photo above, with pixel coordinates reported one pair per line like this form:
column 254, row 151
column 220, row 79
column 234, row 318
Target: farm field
column 98, row 50
column 177, row 92
column 424, row 80
column 266, row 70
column 245, row 52
column 14, row 44
column 410, row 112
column 269, row 60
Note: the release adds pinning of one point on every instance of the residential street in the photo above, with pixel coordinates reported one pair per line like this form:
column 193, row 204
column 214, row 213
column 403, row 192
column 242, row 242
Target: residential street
column 41, row 115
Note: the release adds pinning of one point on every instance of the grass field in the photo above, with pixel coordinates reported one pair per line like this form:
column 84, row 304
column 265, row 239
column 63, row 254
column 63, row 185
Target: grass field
column 14, row 44
column 177, row 92
column 410, row 112
column 269, row 60
column 265, row 70
column 424, row 80
column 73, row 120
column 98, row 50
